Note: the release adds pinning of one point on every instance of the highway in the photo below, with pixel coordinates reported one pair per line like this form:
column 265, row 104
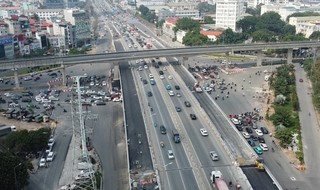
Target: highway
column 131, row 55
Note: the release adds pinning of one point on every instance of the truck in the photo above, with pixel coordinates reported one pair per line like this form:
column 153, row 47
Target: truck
column 175, row 136
column 4, row 130
column 216, row 179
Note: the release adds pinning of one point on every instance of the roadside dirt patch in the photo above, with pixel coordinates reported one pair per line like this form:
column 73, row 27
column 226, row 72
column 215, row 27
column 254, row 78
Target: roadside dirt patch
column 20, row 125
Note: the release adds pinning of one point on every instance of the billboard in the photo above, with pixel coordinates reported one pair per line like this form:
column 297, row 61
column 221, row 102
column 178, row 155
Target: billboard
column 7, row 39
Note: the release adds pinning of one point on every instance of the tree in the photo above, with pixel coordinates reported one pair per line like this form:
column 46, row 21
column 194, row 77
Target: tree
column 303, row 14
column 194, row 38
column 262, row 35
column 315, row 35
column 11, row 168
column 230, row 37
column 298, row 37
column 208, row 20
column 282, row 116
column 254, row 12
column 248, row 24
column 271, row 21
column 284, row 135
column 143, row 9
column 187, row 24
column 36, row 17
column 289, row 30
column 160, row 23
column 206, row 7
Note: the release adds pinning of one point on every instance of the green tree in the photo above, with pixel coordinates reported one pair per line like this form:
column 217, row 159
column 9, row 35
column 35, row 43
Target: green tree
column 315, row 35
column 187, row 24
column 143, row 9
column 262, row 35
column 292, row 37
column 36, row 17
column 248, row 24
column 194, row 38
column 160, row 23
column 282, row 116
column 284, row 135
column 303, row 14
column 270, row 21
column 11, row 168
column 230, row 37
column 289, row 30
column 205, row 7
column 208, row 20
column 254, row 12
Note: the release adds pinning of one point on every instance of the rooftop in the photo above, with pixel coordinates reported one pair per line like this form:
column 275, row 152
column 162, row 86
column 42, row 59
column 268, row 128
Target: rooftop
column 210, row 33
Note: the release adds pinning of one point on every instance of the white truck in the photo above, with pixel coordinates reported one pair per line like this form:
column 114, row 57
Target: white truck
column 216, row 179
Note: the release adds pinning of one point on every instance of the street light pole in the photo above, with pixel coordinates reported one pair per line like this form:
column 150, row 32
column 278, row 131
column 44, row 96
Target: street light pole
column 15, row 176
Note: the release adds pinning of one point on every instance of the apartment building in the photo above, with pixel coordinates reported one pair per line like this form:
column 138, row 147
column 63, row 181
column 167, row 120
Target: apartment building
column 6, row 46
column 4, row 29
column 45, row 14
column 228, row 12
column 306, row 25
column 13, row 25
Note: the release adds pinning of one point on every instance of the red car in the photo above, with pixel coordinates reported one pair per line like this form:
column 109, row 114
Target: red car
column 300, row 80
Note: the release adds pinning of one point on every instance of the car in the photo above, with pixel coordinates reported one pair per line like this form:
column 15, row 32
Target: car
column 214, row 156
column 145, row 66
column 187, row 103
column 161, row 73
column 251, row 143
column 235, row 121
column 259, row 132
column 245, row 135
column 171, row 93
column 178, row 94
column 261, row 140
column 249, row 130
column 151, row 76
column 239, row 127
column 193, row 116
column 48, row 149
column 42, row 162
column 164, row 68
column 159, row 62
column 104, row 83
column 152, row 82
column 300, row 80
column 254, row 125
column 37, row 78
column 27, row 78
column 140, row 68
column 264, row 130
column 156, row 66
column 170, row 77
column 170, row 154
column 263, row 146
column 178, row 109
column 161, row 76
column 258, row 150
column 254, row 138
column 145, row 81
column 50, row 157
column 163, row 129
column 51, row 142
column 149, row 93
column 204, row 132
column 130, row 46
column 168, row 87
column 91, row 83
column 177, row 87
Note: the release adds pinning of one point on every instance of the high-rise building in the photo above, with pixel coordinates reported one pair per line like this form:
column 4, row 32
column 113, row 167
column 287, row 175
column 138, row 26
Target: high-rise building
column 228, row 12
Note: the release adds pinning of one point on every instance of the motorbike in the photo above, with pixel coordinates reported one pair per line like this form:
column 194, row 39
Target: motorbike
column 162, row 144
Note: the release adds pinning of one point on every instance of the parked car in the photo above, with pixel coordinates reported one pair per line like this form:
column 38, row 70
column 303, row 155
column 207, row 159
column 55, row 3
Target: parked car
column 261, row 140
column 251, row 143
column 239, row 127
column 254, row 138
column 51, row 142
column 249, row 130
column 258, row 150
column 264, row 130
column 263, row 146
column 259, row 132
column 246, row 135
column 42, row 162
column 50, row 156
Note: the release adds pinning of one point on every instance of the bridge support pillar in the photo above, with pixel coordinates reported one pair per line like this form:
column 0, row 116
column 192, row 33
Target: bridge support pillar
column 16, row 78
column 63, row 73
column 259, row 58
column 289, row 56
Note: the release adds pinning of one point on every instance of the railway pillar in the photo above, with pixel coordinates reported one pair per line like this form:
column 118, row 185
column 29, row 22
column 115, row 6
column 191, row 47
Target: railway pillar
column 16, row 78
column 289, row 55
column 259, row 58
column 63, row 73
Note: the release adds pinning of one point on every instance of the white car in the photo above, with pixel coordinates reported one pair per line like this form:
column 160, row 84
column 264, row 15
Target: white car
column 178, row 95
column 42, row 162
column 171, row 93
column 246, row 135
column 50, row 156
column 259, row 132
column 235, row 121
column 91, row 83
column 150, row 76
column 53, row 98
column 164, row 68
column 170, row 77
column 140, row 68
column 104, row 83
column 170, row 154
column 204, row 132
column 130, row 46
column 51, row 142
column 214, row 156
column 146, row 66
column 161, row 76
column 263, row 146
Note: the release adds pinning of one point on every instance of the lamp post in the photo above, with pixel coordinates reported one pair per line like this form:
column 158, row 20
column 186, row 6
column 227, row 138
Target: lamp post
column 15, row 176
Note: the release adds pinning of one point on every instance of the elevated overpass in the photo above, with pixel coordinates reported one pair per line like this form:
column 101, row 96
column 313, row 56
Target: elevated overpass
column 175, row 52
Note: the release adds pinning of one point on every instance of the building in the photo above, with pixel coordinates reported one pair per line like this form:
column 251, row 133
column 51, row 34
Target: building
column 163, row 14
column 212, row 35
column 228, row 12
column 45, row 14
column 7, row 12
column 180, row 35
column 57, row 42
column 80, row 19
column 14, row 26
column 168, row 26
column 4, row 29
column 6, row 46
column 67, row 30
column 183, row 5
column 54, row 4
column 306, row 25
column 187, row 13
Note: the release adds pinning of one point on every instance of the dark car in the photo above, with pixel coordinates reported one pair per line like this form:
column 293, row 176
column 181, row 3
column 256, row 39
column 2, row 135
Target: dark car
column 178, row 109
column 177, row 87
column 145, row 81
column 187, row 103
column 239, row 127
column 149, row 94
column 161, row 73
column 261, row 140
column 163, row 129
column 264, row 130
column 37, row 78
column 193, row 116
column 251, row 143
column 159, row 62
column 156, row 66
column 26, row 100
column 254, row 138
column 249, row 130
